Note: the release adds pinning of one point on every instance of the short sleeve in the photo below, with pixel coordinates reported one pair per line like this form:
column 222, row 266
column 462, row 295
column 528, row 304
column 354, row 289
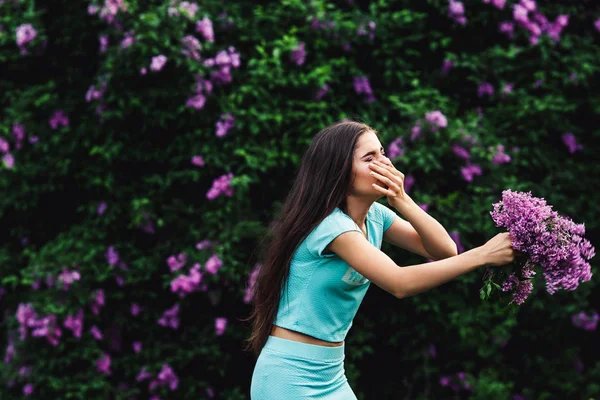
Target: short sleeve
column 387, row 215
column 331, row 227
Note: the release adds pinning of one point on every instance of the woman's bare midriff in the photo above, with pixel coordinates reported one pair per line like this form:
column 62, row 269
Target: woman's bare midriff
column 301, row 337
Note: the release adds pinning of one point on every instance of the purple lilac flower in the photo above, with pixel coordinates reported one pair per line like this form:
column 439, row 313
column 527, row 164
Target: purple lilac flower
column 135, row 309
column 224, row 125
column 446, row 66
column 500, row 157
column 18, row 131
column 103, row 39
column 112, row 256
column 409, row 182
column 4, row 145
column 204, row 244
column 10, row 351
column 550, row 241
column 94, row 94
column 585, row 322
column 469, row 171
column 198, row 160
column 436, row 119
column 101, row 207
column 170, row 317
column 28, row 389
column 143, row 374
column 191, row 47
column 176, row 263
column 96, row 333
column 521, row 289
column 68, row 277
column 196, row 102
column 415, row 132
column 362, row 86
column 597, row 24
column 103, row 364
column 508, row 28
column 485, row 88
column 220, row 324
column 225, row 61
column 184, row 284
column 166, row 376
column 456, row 11
column 221, row 185
column 298, row 55
column 213, row 264
column 249, row 292
column 98, row 301
column 455, row 235
column 205, row 28
column 158, row 62
column 396, row 148
column 571, row 142
column 188, row 9
column 128, row 39
column 25, row 34
column 59, row 118
column 75, row 323
column 432, row 350
column 322, row 92
column 461, row 152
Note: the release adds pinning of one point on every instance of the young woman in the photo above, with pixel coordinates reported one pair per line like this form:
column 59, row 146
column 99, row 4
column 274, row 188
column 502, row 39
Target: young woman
column 323, row 253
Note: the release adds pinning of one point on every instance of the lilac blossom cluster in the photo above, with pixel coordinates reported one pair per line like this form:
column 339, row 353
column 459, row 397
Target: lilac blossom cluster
column 221, row 185
column 571, row 142
column 298, row 55
column 526, row 15
column 225, row 60
column 108, row 11
column 25, row 34
column 18, row 135
column 456, row 382
column 362, row 86
column 40, row 326
column 224, row 124
column 368, row 30
column 456, row 11
column 585, row 322
column 550, row 241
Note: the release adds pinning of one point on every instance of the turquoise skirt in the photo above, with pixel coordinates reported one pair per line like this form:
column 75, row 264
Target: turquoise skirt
column 290, row 370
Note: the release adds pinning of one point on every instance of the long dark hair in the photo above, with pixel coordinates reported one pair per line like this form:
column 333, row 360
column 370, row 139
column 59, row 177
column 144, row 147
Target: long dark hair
column 322, row 183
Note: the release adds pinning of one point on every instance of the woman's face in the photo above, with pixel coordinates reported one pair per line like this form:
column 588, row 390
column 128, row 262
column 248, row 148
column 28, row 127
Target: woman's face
column 368, row 148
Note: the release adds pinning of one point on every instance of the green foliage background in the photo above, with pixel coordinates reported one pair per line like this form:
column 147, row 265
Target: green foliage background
column 137, row 158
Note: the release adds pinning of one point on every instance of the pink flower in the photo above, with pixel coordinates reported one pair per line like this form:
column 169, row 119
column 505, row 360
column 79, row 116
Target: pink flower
column 220, row 324
column 437, row 119
column 158, row 62
column 205, row 27
column 103, row 364
column 25, row 34
column 571, row 142
column 199, row 161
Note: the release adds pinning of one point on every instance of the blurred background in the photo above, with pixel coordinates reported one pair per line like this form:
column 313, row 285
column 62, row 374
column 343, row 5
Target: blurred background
column 145, row 147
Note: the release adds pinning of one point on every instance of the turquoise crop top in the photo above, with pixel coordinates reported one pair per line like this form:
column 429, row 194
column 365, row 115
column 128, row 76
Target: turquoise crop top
column 323, row 292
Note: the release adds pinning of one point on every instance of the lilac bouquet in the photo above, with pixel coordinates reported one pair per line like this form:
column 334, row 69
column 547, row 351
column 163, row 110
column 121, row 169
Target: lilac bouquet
column 550, row 242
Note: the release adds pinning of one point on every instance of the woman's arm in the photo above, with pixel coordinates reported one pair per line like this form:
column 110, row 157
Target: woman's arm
column 432, row 234
column 401, row 282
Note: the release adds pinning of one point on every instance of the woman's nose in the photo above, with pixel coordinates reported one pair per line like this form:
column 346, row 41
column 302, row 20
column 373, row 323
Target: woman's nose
column 385, row 160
